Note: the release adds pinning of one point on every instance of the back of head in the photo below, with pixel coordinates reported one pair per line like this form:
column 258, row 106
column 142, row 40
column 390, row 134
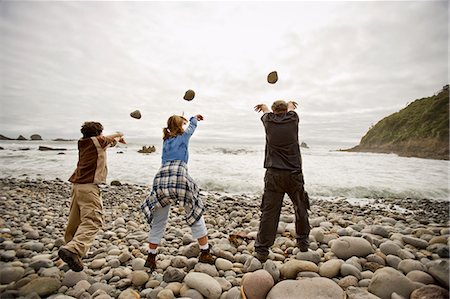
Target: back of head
column 91, row 129
column 174, row 126
column 279, row 106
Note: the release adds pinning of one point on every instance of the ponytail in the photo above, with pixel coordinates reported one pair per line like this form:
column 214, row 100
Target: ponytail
column 166, row 133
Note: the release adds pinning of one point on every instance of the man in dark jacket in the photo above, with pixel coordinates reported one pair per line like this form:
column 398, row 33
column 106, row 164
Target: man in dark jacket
column 283, row 163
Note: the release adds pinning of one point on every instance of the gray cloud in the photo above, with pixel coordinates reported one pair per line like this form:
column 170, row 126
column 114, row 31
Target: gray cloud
column 348, row 64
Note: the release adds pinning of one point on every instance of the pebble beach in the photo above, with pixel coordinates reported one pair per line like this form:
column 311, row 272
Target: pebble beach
column 386, row 248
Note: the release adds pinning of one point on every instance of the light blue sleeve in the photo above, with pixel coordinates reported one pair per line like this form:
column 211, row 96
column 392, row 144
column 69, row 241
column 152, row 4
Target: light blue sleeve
column 192, row 126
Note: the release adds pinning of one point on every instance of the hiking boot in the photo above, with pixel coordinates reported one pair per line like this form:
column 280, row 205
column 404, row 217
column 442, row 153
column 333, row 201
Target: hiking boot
column 71, row 259
column 303, row 244
column 206, row 257
column 151, row 261
column 261, row 257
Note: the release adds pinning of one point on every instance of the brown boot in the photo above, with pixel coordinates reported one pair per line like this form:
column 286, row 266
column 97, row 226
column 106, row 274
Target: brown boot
column 72, row 259
column 206, row 257
column 151, row 261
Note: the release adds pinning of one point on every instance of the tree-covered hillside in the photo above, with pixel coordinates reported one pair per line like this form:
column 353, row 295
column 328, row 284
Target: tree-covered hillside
column 419, row 130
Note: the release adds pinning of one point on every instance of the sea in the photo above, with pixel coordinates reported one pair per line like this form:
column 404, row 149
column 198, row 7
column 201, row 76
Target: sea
column 234, row 168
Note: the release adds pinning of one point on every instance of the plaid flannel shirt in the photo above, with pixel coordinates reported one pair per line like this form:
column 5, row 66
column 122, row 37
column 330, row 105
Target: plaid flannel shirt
column 173, row 185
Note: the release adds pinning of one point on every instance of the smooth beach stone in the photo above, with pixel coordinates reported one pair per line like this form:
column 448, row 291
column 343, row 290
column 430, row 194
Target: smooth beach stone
column 191, row 250
column 348, row 269
column 291, row 268
column 192, row 294
column 139, row 277
column 387, row 281
column 376, row 259
column 252, row 264
column 439, row 240
column 43, row 286
column 306, row 288
column 97, row 264
column 175, row 287
column 50, row 272
column 390, row 248
column 318, row 234
column 179, row 262
column 100, row 286
column 330, row 268
column 71, row 278
column 348, row 281
column 346, row 247
column 420, row 276
column 125, row 257
column 166, row 294
column 409, row 265
column 380, row 231
column 114, row 263
column 416, row 242
column 136, row 114
column 224, row 284
column 10, row 274
column 430, row 292
column 203, row 283
column 439, row 269
column 234, row 293
column 257, row 284
column 207, row 269
column 173, row 275
column 223, row 264
column 311, row 256
column 364, row 283
column 129, row 294
column 82, row 285
column 359, row 293
column 393, row 261
column 7, row 255
column 273, row 270
column 138, row 264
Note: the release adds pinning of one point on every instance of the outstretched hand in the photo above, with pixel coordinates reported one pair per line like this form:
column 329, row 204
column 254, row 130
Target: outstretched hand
column 199, row 117
column 261, row 107
column 292, row 105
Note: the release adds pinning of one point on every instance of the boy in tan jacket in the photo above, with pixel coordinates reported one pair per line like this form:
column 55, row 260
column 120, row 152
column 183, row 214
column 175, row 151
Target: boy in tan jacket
column 86, row 208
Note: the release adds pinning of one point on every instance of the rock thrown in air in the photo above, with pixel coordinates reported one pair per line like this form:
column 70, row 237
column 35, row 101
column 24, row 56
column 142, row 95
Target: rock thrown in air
column 189, row 95
column 136, row 114
column 272, row 77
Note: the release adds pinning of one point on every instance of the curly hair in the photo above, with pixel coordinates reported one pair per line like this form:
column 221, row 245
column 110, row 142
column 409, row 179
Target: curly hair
column 91, row 129
column 174, row 126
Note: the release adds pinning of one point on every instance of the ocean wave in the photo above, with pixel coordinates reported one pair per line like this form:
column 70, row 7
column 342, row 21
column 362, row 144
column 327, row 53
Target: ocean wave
column 331, row 191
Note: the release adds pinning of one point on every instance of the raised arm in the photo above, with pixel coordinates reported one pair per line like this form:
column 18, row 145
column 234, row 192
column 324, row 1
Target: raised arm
column 193, row 124
column 292, row 106
column 262, row 107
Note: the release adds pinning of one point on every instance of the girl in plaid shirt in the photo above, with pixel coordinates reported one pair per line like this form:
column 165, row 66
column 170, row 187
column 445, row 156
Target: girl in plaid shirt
column 173, row 185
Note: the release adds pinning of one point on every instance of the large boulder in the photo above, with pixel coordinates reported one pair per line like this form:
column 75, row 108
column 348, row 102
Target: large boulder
column 387, row 280
column 257, row 284
column 346, row 247
column 306, row 288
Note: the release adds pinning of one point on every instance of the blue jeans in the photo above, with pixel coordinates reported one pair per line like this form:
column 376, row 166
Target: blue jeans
column 160, row 216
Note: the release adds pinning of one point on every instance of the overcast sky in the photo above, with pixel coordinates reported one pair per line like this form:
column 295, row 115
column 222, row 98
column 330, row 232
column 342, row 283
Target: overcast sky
column 347, row 64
